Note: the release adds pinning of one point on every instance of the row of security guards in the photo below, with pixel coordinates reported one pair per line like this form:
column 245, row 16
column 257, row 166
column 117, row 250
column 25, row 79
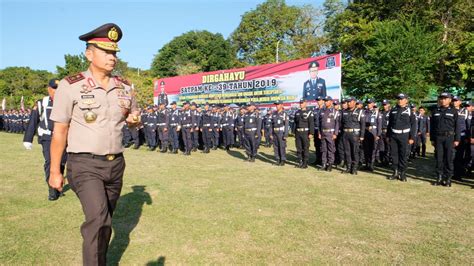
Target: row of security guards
column 14, row 121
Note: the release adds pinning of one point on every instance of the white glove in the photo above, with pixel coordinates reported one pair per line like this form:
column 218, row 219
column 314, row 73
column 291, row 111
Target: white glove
column 28, row 145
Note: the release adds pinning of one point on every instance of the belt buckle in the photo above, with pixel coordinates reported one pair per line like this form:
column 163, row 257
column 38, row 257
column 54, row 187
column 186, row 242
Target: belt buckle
column 110, row 157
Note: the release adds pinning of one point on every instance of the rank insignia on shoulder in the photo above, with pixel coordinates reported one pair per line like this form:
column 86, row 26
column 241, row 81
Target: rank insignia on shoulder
column 75, row 78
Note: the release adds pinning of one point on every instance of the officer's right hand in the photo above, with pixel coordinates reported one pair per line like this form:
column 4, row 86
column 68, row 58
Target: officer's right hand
column 310, row 136
column 28, row 145
column 56, row 181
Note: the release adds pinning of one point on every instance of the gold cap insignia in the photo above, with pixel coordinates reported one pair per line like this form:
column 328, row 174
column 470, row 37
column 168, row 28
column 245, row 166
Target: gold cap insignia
column 113, row 34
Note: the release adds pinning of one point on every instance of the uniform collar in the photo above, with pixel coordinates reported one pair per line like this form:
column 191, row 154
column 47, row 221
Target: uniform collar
column 114, row 81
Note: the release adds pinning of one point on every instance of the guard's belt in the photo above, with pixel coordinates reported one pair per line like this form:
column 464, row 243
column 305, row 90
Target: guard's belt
column 400, row 131
column 108, row 157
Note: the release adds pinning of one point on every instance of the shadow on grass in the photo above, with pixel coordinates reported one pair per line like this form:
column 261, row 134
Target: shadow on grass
column 159, row 262
column 125, row 219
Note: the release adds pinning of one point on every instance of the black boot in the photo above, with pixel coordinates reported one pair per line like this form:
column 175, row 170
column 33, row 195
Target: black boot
column 403, row 177
column 282, row 163
column 299, row 164
column 347, row 170
column 439, row 180
column 354, row 170
column 448, row 182
column 371, row 167
column 53, row 194
column 323, row 167
column 394, row 175
column 329, row 168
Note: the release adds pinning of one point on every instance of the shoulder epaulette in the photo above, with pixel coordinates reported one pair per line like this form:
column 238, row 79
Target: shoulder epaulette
column 124, row 81
column 75, row 78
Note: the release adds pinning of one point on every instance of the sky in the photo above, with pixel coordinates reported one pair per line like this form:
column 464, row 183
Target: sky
column 38, row 33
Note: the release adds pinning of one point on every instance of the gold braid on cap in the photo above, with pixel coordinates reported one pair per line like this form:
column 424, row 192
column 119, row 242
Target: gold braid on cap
column 111, row 46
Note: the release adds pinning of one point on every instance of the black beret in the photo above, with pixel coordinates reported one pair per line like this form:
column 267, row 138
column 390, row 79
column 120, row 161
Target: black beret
column 313, row 64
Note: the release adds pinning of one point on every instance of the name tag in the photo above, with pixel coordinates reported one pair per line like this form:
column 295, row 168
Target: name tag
column 328, row 120
column 87, row 96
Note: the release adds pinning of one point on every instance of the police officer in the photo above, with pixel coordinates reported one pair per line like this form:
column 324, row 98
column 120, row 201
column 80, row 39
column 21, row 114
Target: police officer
column 188, row 123
column 304, row 130
column 315, row 86
column 279, row 133
column 401, row 133
column 353, row 125
column 174, row 128
column 328, row 130
column 423, row 132
column 163, row 126
column 150, row 127
column 206, row 128
column 445, row 135
column 239, row 127
column 162, row 97
column 252, row 125
column 460, row 157
column 227, row 127
column 216, row 119
column 373, row 130
column 197, row 120
column 40, row 121
column 267, row 128
column 89, row 111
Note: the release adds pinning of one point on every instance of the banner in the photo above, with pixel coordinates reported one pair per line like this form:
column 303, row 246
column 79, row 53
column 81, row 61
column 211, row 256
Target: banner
column 289, row 82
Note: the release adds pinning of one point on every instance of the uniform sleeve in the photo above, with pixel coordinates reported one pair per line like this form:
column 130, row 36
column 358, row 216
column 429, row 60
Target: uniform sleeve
column 413, row 126
column 287, row 125
column 32, row 126
column 62, row 104
column 428, row 125
column 379, row 125
column 311, row 123
column 457, row 127
column 362, row 123
column 337, row 122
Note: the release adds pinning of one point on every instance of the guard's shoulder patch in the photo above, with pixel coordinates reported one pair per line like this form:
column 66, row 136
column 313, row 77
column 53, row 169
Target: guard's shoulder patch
column 74, row 78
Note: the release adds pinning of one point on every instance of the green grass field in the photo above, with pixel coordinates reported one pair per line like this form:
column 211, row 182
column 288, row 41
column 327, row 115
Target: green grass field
column 217, row 209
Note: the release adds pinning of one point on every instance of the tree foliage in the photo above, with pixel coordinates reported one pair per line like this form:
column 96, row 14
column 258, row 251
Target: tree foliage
column 296, row 30
column 192, row 52
column 16, row 82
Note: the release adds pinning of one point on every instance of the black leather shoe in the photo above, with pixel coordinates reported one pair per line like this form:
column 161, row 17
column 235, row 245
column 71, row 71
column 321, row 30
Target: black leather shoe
column 439, row 180
column 347, row 170
column 403, row 177
column 329, row 168
column 282, row 163
column 394, row 175
column 354, row 170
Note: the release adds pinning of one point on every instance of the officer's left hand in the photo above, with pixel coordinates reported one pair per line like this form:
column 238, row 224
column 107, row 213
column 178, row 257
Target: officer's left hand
column 334, row 137
column 456, row 143
column 361, row 139
column 410, row 141
column 165, row 130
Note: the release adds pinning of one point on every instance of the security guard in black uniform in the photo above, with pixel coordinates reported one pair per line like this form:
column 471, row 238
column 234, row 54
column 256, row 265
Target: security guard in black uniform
column 353, row 125
column 445, row 135
column 328, row 131
column 227, row 127
column 150, row 127
column 373, row 131
column 304, row 130
column 163, row 122
column 252, row 125
column 423, row 132
column 401, row 133
column 267, row 128
column 40, row 120
column 461, row 155
column 279, row 133
column 206, row 128
column 239, row 127
column 174, row 128
column 188, row 123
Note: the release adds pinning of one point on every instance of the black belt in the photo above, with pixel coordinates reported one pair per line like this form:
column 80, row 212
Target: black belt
column 108, row 157
column 446, row 133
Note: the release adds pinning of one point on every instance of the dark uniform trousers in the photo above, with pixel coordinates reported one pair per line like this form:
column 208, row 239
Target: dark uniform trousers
column 351, row 147
column 340, row 156
column 163, row 135
column 251, row 141
column 215, row 135
column 398, row 150
column 444, row 147
column 97, row 183
column 302, row 145
column 267, row 133
column 328, row 148
column 228, row 135
column 150, row 132
column 173, row 137
column 370, row 145
column 279, row 145
column 187, row 139
column 135, row 133
column 46, row 144
column 384, row 147
column 195, row 138
column 207, row 137
column 421, row 143
column 317, row 146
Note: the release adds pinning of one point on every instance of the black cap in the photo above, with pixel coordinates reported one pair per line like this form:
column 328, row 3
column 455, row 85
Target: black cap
column 278, row 102
column 302, row 101
column 358, row 102
column 385, row 102
column 186, row 102
column 412, row 105
column 319, row 98
column 401, row 96
column 328, row 98
column 456, row 98
column 336, row 102
column 104, row 37
column 369, row 100
column 445, row 95
column 251, row 104
column 313, row 64
column 350, row 99
column 53, row 83
column 173, row 103
column 468, row 103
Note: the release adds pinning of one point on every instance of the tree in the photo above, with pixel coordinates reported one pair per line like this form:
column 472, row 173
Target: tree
column 73, row 64
column 296, row 30
column 192, row 52
column 400, row 57
column 16, row 82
